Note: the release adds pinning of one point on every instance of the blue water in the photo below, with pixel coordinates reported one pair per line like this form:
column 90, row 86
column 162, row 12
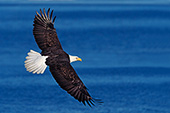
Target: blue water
column 125, row 50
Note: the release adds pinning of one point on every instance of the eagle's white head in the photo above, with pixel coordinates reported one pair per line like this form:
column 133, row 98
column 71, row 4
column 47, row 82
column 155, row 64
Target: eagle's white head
column 74, row 58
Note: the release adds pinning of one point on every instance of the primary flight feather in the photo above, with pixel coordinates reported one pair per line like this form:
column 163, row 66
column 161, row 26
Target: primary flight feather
column 56, row 58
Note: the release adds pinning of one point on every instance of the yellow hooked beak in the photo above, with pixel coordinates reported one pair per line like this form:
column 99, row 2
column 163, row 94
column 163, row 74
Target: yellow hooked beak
column 79, row 59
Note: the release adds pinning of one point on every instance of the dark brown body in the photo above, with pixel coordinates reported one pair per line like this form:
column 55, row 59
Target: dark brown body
column 58, row 60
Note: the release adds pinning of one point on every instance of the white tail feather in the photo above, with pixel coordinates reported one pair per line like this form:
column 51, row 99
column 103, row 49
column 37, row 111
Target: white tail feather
column 35, row 62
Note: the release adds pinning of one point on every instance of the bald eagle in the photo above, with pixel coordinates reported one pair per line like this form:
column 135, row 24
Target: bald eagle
column 56, row 58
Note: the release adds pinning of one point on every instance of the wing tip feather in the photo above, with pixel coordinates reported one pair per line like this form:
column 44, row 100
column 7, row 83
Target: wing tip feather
column 93, row 102
column 44, row 18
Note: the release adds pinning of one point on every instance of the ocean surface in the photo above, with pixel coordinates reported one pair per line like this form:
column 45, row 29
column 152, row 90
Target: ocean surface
column 125, row 50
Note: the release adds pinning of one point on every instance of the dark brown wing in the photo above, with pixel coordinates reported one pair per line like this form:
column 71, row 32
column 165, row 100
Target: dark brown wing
column 44, row 31
column 66, row 77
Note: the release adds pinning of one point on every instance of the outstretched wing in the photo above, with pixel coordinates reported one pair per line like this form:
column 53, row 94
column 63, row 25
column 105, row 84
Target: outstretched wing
column 44, row 31
column 66, row 77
